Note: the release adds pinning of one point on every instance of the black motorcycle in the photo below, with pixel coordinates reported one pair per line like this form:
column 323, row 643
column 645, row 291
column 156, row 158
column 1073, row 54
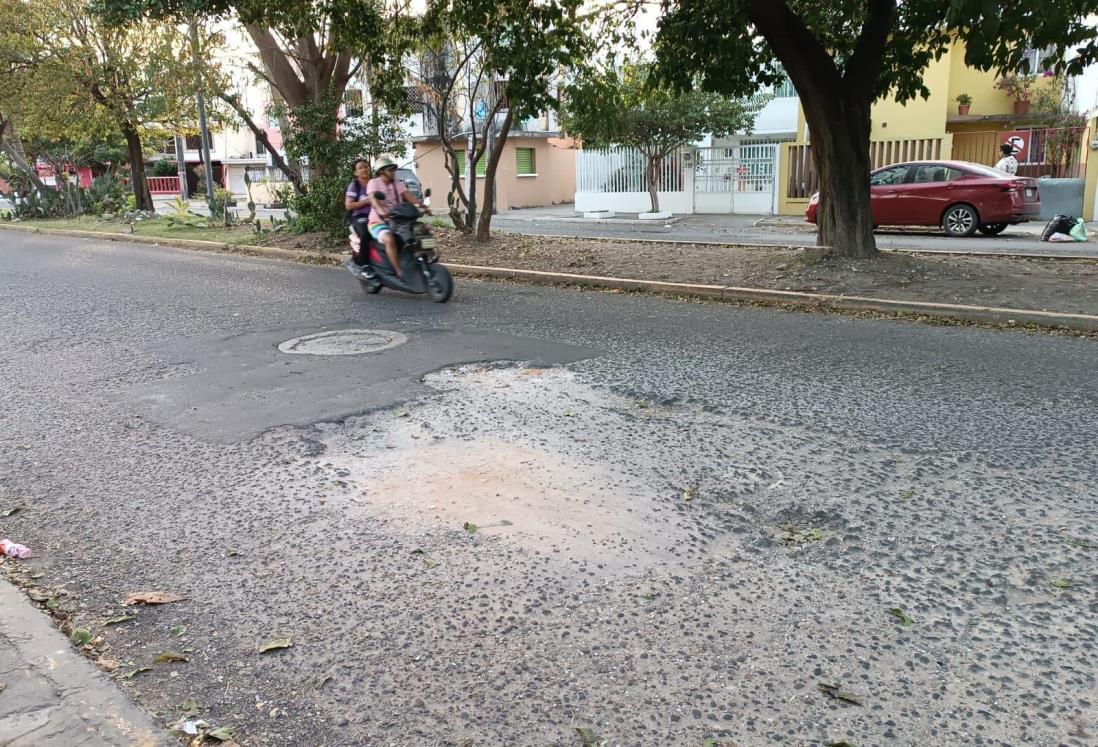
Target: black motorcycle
column 419, row 260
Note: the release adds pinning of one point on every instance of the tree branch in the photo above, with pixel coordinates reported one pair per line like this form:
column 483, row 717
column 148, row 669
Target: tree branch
column 276, row 158
column 868, row 58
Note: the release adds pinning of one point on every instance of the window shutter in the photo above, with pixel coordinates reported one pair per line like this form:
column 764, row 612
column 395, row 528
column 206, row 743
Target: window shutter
column 524, row 161
column 482, row 164
column 460, row 156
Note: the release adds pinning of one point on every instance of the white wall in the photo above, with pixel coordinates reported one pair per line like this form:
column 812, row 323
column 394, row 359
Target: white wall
column 778, row 117
column 633, row 202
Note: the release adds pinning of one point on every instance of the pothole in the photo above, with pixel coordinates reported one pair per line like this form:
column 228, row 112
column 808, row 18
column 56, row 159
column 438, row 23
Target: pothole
column 344, row 342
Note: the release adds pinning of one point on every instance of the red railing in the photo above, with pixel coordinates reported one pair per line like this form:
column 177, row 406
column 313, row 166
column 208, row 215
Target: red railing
column 163, row 185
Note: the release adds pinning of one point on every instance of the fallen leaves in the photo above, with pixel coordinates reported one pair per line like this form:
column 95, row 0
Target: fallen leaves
column 1063, row 583
column 81, row 637
column 904, row 618
column 170, row 656
column 177, row 630
column 120, row 619
column 11, row 511
column 275, row 644
column 469, row 527
column 689, row 494
column 152, row 597
column 836, row 692
column 139, row 670
column 802, row 536
column 588, row 736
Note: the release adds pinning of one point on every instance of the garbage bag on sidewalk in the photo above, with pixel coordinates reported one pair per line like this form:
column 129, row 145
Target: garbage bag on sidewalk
column 1058, row 224
column 1079, row 230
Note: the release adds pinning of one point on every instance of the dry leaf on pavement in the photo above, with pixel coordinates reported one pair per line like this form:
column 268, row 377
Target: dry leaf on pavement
column 152, row 597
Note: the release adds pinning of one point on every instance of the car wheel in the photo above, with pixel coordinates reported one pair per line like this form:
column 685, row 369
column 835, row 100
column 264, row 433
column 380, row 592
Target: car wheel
column 960, row 221
column 992, row 229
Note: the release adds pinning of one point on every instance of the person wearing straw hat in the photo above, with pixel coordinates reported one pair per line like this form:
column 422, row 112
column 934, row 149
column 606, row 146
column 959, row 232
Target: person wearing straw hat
column 393, row 193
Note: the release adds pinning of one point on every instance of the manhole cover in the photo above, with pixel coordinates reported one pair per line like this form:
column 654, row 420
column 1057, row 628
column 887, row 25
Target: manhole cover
column 344, row 342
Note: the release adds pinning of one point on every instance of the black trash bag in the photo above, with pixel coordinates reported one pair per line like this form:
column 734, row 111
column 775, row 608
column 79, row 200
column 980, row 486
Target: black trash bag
column 1058, row 224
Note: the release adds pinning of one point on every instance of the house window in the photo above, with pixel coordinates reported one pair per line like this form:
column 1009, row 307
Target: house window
column 414, row 97
column 482, row 164
column 352, row 103
column 1038, row 60
column 260, row 149
column 193, row 142
column 525, row 165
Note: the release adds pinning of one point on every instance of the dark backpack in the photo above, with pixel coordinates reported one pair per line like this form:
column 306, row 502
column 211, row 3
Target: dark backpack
column 1058, row 224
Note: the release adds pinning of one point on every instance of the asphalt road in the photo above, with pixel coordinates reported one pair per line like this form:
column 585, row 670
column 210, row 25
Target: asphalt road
column 691, row 519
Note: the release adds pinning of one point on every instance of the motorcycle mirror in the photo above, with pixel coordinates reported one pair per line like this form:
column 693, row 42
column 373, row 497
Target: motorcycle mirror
column 427, row 193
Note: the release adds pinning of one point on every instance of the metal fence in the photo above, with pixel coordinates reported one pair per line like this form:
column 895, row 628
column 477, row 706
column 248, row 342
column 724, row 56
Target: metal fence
column 740, row 168
column 1059, row 152
column 804, row 181
column 608, row 170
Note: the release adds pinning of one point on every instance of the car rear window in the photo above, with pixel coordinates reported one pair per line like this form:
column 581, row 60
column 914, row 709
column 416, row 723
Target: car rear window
column 981, row 170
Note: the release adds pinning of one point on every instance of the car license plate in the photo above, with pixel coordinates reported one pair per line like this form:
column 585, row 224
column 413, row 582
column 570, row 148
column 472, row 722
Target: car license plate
column 1030, row 192
column 428, row 243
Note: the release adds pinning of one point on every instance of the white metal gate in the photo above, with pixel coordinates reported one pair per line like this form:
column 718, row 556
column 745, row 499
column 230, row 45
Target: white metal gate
column 740, row 179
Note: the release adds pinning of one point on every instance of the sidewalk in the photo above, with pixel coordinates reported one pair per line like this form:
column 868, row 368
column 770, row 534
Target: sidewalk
column 779, row 230
column 51, row 696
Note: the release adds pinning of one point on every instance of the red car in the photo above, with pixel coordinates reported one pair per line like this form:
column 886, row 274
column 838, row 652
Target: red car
column 960, row 197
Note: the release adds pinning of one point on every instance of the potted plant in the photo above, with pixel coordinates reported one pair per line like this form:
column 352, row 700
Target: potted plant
column 1019, row 88
column 964, row 101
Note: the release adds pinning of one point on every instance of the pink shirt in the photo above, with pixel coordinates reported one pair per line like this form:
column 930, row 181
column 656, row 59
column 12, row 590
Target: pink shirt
column 393, row 193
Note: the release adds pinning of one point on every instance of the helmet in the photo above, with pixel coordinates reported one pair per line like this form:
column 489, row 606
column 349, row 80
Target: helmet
column 382, row 164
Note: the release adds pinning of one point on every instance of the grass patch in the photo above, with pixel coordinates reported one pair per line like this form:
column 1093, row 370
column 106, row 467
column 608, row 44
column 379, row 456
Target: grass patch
column 160, row 228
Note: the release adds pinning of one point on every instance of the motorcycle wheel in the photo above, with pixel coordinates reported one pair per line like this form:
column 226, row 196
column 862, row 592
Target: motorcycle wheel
column 440, row 285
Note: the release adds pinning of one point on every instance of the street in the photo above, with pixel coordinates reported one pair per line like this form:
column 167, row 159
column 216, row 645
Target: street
column 536, row 509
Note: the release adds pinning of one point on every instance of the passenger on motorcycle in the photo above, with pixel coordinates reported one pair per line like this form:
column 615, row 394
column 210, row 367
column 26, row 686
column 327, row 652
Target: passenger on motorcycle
column 394, row 193
column 357, row 203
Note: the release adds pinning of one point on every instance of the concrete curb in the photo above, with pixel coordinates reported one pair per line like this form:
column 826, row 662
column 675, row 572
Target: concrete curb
column 60, row 697
column 816, row 301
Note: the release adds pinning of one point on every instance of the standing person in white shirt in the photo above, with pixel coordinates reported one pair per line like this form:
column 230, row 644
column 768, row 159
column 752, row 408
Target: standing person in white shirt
column 1008, row 164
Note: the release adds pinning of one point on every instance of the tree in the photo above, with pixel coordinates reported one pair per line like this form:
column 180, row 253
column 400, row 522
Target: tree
column 481, row 66
column 843, row 56
column 308, row 52
column 625, row 106
column 95, row 78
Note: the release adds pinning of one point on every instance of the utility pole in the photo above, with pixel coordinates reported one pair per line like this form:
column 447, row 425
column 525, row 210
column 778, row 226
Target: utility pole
column 181, row 167
column 202, row 125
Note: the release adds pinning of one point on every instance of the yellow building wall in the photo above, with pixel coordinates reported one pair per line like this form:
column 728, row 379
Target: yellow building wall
column 919, row 118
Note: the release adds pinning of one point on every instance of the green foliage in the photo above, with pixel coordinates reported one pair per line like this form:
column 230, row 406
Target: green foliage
column 890, row 43
column 164, row 167
column 964, row 99
column 330, row 159
column 106, row 195
column 626, row 106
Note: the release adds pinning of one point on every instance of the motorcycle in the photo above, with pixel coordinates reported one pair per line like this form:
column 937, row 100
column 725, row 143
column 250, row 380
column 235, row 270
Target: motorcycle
column 419, row 260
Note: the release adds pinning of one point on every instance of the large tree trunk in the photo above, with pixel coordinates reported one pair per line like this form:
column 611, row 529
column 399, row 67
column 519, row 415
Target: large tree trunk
column 840, row 147
column 836, row 107
column 484, row 224
column 137, row 168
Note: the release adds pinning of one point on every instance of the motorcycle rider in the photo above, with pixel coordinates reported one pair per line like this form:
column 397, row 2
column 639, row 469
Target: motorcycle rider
column 394, row 192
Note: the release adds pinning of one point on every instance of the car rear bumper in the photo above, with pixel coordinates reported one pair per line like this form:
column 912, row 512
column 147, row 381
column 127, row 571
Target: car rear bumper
column 1031, row 211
